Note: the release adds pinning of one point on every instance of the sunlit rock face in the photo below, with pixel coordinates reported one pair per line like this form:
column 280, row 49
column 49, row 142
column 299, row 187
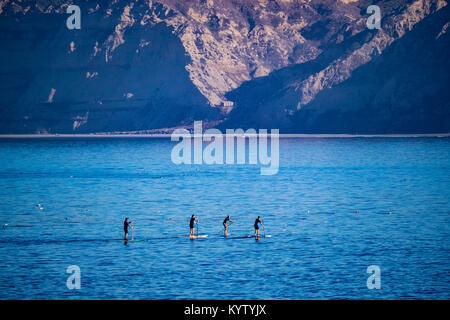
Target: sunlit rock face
column 151, row 66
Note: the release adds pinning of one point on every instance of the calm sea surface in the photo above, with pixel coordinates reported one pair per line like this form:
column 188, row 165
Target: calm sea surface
column 86, row 187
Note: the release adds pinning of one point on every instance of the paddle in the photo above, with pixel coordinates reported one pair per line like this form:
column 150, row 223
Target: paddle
column 229, row 226
column 227, row 229
column 197, row 227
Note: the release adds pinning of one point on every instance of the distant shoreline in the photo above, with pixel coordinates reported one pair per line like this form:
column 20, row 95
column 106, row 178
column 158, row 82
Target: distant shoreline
column 124, row 135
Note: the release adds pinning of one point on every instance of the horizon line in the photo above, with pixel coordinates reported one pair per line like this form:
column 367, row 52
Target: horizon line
column 169, row 135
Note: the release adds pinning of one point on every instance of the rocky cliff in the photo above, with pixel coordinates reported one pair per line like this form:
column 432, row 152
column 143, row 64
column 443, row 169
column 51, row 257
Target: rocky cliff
column 297, row 65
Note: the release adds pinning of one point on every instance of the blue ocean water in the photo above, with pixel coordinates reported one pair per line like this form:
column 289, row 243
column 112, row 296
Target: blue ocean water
column 86, row 187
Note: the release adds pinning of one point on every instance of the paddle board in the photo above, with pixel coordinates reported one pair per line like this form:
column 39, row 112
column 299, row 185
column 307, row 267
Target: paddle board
column 200, row 236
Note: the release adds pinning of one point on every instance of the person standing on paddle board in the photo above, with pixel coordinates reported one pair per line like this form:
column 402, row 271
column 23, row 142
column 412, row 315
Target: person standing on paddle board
column 225, row 225
column 257, row 222
column 126, row 224
column 192, row 225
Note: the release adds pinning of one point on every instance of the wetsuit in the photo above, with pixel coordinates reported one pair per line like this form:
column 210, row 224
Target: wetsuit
column 256, row 223
column 225, row 221
column 126, row 224
column 191, row 223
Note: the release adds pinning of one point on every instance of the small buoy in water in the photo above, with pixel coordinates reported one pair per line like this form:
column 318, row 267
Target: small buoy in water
column 357, row 211
column 333, row 212
column 389, row 213
column 307, row 211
